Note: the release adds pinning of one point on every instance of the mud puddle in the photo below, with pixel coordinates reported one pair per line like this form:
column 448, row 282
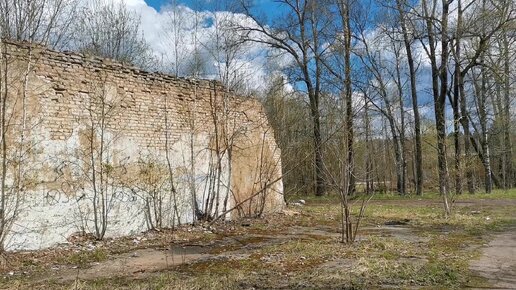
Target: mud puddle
column 132, row 263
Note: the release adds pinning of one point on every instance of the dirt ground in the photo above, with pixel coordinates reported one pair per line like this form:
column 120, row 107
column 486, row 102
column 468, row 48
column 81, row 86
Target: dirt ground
column 402, row 243
column 498, row 261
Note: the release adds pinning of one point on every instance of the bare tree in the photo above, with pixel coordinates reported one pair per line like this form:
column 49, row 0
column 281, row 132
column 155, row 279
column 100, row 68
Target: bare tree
column 386, row 83
column 407, row 41
column 40, row 21
column 150, row 181
column 35, row 22
column 345, row 14
column 168, row 144
column 287, row 114
column 473, row 42
column 93, row 173
column 434, row 11
column 301, row 36
column 110, row 30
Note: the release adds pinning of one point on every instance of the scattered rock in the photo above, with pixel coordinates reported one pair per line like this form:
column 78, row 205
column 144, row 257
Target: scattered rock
column 300, row 202
column 272, row 258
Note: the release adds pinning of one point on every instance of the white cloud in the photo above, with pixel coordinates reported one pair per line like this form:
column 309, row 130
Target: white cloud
column 200, row 31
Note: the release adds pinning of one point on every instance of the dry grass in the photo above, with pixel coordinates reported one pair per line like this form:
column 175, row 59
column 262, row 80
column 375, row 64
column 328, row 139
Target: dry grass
column 430, row 251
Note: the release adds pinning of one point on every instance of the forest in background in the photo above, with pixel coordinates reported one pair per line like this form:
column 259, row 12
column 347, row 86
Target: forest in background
column 364, row 96
column 413, row 98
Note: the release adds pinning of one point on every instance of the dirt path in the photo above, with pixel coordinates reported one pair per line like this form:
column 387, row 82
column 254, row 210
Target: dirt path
column 498, row 261
column 269, row 253
column 140, row 262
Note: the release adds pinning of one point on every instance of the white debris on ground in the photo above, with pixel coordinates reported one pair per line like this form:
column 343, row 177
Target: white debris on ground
column 300, row 202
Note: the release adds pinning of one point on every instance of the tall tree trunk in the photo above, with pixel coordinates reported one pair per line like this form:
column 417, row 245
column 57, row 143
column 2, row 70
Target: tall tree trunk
column 509, row 169
column 320, row 186
column 403, row 159
column 467, row 135
column 318, row 157
column 418, row 154
column 440, row 73
column 369, row 151
column 456, row 135
column 440, row 109
column 398, row 155
column 455, row 102
column 484, row 138
column 482, row 112
column 349, row 99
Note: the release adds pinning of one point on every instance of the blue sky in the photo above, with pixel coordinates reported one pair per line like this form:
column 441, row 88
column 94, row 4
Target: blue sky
column 154, row 3
column 252, row 64
column 267, row 7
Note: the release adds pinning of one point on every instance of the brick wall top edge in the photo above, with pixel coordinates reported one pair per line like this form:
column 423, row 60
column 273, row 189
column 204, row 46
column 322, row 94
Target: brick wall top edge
column 110, row 64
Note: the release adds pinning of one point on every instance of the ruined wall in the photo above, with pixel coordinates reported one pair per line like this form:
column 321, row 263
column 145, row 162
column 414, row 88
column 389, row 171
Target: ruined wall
column 220, row 147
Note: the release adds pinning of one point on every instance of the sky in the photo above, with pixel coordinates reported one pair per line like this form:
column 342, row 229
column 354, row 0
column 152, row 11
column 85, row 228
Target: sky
column 156, row 27
column 268, row 7
column 251, row 63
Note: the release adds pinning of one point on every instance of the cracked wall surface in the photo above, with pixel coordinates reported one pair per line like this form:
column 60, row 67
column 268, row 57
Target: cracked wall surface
column 220, row 147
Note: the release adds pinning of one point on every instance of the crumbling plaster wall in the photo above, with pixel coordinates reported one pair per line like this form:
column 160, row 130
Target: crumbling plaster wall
column 145, row 113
